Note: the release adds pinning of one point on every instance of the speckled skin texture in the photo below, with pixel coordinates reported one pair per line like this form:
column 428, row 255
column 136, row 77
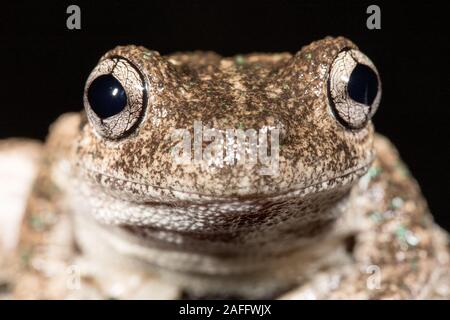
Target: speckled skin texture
column 228, row 230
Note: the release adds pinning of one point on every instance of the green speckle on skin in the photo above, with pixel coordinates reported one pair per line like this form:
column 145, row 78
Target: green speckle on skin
column 376, row 217
column 308, row 56
column 402, row 169
column 239, row 60
column 37, row 223
column 240, row 125
column 406, row 236
column 400, row 232
column 374, row 172
column 146, row 55
column 25, row 257
column 396, row 203
column 286, row 87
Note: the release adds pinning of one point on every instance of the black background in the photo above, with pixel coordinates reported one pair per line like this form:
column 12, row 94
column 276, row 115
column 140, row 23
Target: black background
column 44, row 65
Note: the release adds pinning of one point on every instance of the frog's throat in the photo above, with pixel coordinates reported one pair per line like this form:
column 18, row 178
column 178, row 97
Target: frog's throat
column 247, row 251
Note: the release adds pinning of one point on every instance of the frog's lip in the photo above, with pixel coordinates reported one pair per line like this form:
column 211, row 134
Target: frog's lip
column 145, row 193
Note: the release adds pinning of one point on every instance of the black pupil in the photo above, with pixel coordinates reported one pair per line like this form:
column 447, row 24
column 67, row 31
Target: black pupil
column 106, row 96
column 363, row 84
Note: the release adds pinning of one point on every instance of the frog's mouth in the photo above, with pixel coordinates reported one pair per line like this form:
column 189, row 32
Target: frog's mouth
column 141, row 193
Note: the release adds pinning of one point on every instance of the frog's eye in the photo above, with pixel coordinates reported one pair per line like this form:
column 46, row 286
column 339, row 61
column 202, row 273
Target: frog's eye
column 115, row 98
column 354, row 88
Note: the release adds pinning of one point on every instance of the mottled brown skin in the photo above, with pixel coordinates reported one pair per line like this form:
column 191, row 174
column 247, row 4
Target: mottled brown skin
column 262, row 90
column 227, row 230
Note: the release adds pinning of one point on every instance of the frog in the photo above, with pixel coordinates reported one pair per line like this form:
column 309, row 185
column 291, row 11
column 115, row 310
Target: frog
column 112, row 215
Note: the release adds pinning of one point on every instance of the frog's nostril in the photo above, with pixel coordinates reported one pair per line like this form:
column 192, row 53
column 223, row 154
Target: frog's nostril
column 106, row 96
